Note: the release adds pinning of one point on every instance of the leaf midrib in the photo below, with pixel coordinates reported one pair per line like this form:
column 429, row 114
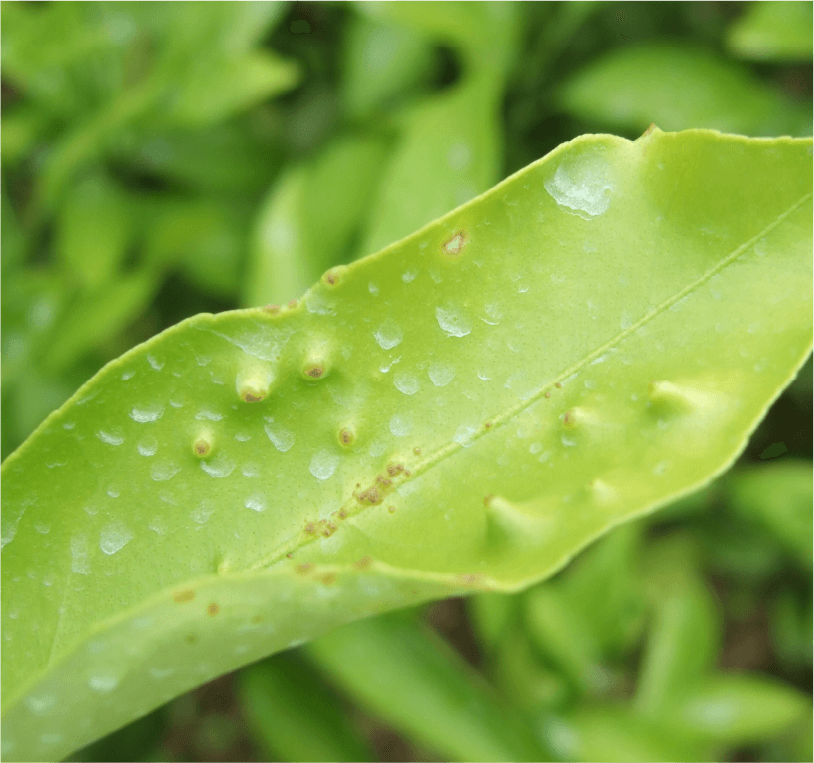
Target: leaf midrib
column 500, row 419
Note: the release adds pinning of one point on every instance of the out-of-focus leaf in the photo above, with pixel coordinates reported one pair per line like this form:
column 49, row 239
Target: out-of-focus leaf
column 293, row 714
column 412, row 679
column 677, row 87
column 491, row 614
column 571, row 352
column 95, row 316
column 790, row 625
column 603, row 590
column 778, row 497
column 381, row 63
column 560, row 634
column 611, row 733
column 778, row 31
column 736, row 709
column 218, row 93
column 94, row 228
column 13, row 249
column 310, row 218
column 683, row 641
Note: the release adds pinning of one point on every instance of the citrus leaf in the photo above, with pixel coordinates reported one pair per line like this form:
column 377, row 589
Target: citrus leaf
column 592, row 338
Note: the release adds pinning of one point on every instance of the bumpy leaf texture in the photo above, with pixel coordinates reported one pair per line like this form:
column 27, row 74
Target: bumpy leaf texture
column 463, row 411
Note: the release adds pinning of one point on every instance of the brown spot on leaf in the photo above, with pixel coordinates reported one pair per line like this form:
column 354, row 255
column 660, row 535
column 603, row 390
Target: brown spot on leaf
column 394, row 469
column 212, row 609
column 488, row 499
column 252, row 395
column 303, row 568
column 314, row 371
column 289, row 555
column 454, row 245
column 345, row 436
column 292, row 304
column 557, row 385
column 257, row 619
column 391, row 509
column 342, row 513
column 182, row 596
column 548, row 394
column 328, row 578
column 329, row 530
column 201, row 447
column 363, row 563
column 273, row 309
column 417, row 451
column 310, row 529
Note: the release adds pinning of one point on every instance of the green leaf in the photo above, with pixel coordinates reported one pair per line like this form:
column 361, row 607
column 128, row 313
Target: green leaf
column 407, row 676
column 778, row 498
column 778, row 31
column 683, row 642
column 293, row 715
column 676, row 88
column 464, row 411
column 738, row 708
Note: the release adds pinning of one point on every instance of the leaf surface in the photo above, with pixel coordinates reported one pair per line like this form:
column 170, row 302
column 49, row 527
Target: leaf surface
column 463, row 411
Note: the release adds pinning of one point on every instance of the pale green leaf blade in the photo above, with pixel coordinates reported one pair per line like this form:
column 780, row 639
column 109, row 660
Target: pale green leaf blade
column 293, row 715
column 778, row 31
column 406, row 675
column 591, row 339
column 677, row 88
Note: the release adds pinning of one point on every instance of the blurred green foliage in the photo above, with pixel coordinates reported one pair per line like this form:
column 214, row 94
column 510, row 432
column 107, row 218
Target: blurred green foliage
column 162, row 159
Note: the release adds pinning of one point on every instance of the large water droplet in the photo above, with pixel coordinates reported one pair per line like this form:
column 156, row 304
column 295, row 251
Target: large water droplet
column 145, row 413
column 582, row 184
column 162, row 472
column 441, row 375
column 147, row 446
column 323, row 464
column 111, row 437
column 400, row 426
column 256, row 502
column 281, row 438
column 452, row 320
column 388, row 335
column 218, row 466
column 406, row 383
column 114, row 536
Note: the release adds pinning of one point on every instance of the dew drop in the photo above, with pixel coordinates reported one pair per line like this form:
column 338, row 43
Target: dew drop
column 281, row 438
column 452, row 321
column 40, row 704
column 147, row 446
column 463, row 435
column 219, row 466
column 323, row 464
column 400, row 426
column 406, row 383
column 206, row 415
column 111, row 438
column 201, row 514
column 440, row 375
column 582, row 185
column 409, row 276
column 79, row 555
column 156, row 365
column 157, row 526
column 256, row 502
column 104, row 684
column 388, row 335
column 146, row 413
column 127, row 375
column 114, row 536
column 163, row 472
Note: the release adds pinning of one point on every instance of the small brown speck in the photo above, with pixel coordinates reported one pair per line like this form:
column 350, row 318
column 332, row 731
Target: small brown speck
column 345, row 436
column 201, row 447
column 290, row 555
column 315, row 372
column 394, row 469
column 548, row 394
column 303, row 568
column 488, row 425
column 212, row 609
column 417, row 451
column 310, row 529
column 391, row 509
column 328, row 578
column 182, row 596
column 407, row 473
column 557, row 385
column 257, row 619
column 363, row 563
column 292, row 304
column 342, row 513
column 273, row 309
column 191, row 638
